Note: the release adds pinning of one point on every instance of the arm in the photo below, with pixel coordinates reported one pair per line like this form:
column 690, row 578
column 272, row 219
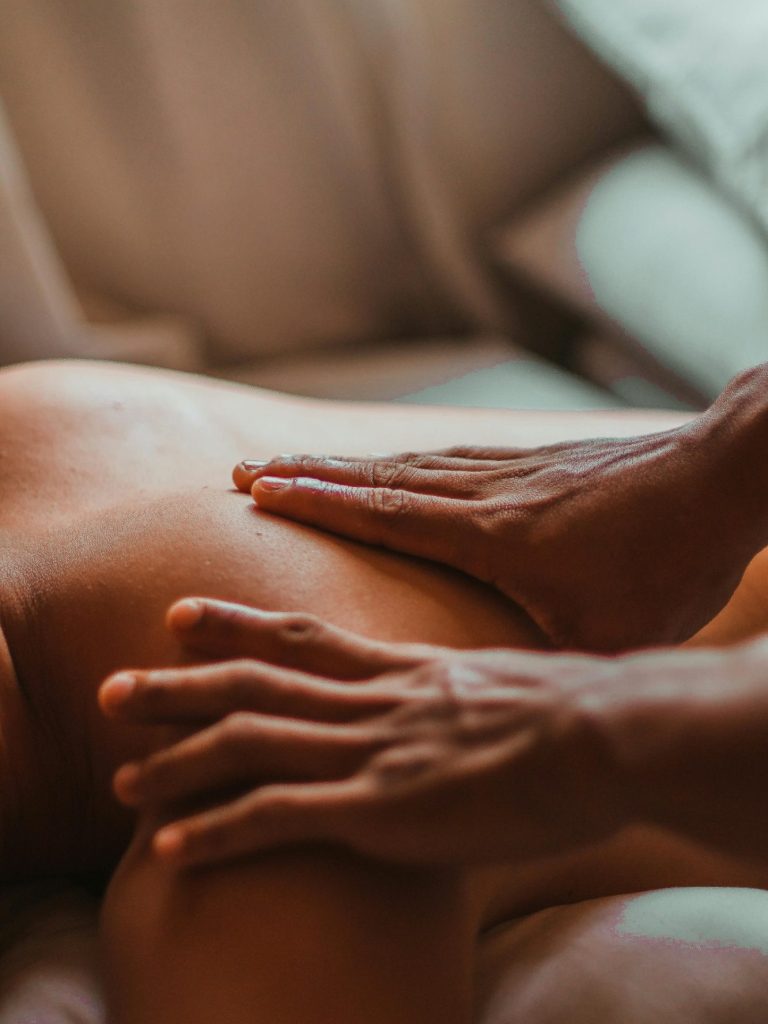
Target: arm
column 735, row 433
column 607, row 544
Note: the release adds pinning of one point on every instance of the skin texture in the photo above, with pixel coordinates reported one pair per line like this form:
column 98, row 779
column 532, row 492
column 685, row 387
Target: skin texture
column 560, row 529
column 88, row 576
column 115, row 504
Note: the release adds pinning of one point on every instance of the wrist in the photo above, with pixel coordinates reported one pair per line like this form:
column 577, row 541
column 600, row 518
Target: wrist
column 743, row 404
column 735, row 431
column 732, row 436
column 686, row 741
column 618, row 718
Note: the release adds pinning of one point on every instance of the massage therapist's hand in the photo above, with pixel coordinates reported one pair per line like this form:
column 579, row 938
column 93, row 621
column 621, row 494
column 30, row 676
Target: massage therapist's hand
column 406, row 753
column 606, row 544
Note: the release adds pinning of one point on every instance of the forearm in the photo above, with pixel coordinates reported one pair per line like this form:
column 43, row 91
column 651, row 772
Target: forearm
column 688, row 745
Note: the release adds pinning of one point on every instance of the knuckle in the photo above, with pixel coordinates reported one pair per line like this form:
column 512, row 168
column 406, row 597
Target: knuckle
column 240, row 668
column 451, row 679
column 242, row 680
column 291, row 461
column 300, row 629
column 277, row 802
column 311, row 466
column 388, row 504
column 438, row 704
column 239, row 730
column 385, row 474
column 406, row 462
column 403, row 764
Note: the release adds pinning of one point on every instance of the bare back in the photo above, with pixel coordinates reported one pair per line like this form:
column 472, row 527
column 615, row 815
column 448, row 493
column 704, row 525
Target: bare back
column 117, row 500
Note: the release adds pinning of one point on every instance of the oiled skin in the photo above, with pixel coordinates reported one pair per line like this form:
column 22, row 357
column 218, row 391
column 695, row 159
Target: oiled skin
column 116, row 500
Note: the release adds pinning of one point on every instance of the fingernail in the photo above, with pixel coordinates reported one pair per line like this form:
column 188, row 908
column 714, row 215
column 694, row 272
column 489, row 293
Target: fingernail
column 169, row 841
column 253, row 465
column 186, row 614
column 116, row 690
column 272, row 483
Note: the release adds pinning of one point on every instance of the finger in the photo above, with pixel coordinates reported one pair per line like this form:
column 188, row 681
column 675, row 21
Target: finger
column 428, row 476
column 352, row 469
column 291, row 639
column 416, row 524
column 272, row 816
column 348, row 468
column 207, row 692
column 246, row 749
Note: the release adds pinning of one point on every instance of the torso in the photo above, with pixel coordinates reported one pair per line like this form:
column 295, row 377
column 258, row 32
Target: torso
column 116, row 500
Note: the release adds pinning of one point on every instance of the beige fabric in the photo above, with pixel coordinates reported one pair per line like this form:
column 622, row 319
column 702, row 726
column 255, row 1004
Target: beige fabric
column 225, row 161
column 378, row 372
column 37, row 307
column 279, row 173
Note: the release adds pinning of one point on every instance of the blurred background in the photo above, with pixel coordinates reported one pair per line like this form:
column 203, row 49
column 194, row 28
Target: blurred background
column 505, row 203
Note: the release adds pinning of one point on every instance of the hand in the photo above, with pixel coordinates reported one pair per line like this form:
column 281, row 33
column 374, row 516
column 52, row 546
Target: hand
column 423, row 755
column 606, row 544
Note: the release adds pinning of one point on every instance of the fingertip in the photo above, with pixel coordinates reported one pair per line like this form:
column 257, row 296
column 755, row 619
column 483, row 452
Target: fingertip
column 186, row 614
column 244, row 472
column 275, row 492
column 169, row 843
column 124, row 783
column 270, row 484
column 115, row 691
